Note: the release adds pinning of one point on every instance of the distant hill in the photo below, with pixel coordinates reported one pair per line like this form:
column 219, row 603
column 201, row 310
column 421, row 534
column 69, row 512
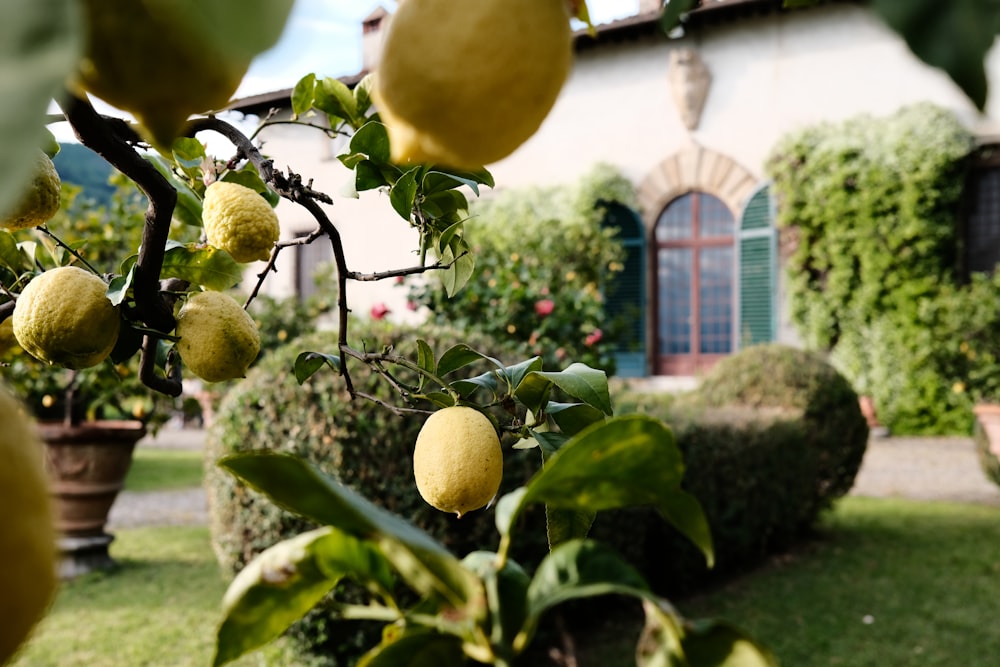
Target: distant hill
column 81, row 166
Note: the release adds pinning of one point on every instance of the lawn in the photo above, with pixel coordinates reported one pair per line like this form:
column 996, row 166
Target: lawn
column 885, row 583
column 157, row 469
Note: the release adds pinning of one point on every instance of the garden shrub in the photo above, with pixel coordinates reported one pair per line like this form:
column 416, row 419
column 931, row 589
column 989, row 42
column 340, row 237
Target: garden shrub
column 780, row 376
column 753, row 472
column 362, row 444
column 543, row 261
column 771, row 437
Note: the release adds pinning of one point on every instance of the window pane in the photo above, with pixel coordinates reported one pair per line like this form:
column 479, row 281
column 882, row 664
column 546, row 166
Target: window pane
column 675, row 222
column 983, row 227
column 714, row 218
column 716, row 297
column 674, row 307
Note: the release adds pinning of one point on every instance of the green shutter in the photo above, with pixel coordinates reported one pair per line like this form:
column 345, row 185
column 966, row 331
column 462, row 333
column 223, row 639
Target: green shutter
column 758, row 272
column 626, row 301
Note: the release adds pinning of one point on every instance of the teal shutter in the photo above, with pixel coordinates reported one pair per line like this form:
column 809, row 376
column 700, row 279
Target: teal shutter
column 758, row 288
column 625, row 297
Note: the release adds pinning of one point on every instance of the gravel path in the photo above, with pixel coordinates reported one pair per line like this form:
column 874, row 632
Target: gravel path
column 919, row 468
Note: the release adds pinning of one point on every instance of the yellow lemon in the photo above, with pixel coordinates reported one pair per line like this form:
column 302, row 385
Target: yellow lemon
column 457, row 461
column 218, row 339
column 465, row 86
column 64, row 317
column 27, row 529
column 238, row 220
column 153, row 59
column 39, row 202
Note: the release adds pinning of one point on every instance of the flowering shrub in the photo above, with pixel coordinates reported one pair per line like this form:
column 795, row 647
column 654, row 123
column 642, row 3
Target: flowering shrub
column 545, row 267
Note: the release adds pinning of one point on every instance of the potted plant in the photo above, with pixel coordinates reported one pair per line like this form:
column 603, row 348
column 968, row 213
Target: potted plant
column 89, row 420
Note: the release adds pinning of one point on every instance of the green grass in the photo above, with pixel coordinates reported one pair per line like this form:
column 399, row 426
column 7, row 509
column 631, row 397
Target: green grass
column 885, row 583
column 161, row 469
column 925, row 575
column 160, row 608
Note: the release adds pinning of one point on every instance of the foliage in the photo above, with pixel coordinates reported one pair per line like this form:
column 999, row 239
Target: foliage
column 780, row 376
column 545, row 265
column 869, row 208
column 754, row 471
column 81, row 166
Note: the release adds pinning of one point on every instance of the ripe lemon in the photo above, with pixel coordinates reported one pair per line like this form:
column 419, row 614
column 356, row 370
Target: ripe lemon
column 27, row 529
column 218, row 339
column 39, row 202
column 153, row 59
column 64, row 317
column 457, row 461
column 238, row 220
column 466, row 86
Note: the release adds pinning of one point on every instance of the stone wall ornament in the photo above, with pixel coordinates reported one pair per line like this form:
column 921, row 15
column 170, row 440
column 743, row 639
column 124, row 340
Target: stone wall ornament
column 690, row 81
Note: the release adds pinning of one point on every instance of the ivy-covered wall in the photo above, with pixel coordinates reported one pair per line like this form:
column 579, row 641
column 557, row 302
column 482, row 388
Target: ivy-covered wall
column 869, row 211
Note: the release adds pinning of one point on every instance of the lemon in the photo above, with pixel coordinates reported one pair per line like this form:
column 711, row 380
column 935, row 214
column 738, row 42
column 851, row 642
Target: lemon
column 27, row 529
column 240, row 221
column 465, row 87
column 39, row 202
column 457, row 461
column 152, row 58
column 218, row 339
column 64, row 317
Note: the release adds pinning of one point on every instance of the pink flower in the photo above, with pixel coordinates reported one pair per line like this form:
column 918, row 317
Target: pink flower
column 544, row 307
column 412, row 305
column 593, row 338
column 379, row 311
column 400, row 280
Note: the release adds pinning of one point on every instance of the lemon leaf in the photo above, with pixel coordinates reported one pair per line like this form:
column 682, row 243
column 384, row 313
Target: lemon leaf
column 40, row 42
column 209, row 267
column 415, row 647
column 403, row 193
column 335, row 99
column 308, row 364
column 304, row 95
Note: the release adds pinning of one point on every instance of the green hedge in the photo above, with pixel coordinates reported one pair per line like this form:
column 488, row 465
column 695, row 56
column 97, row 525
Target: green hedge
column 363, row 445
column 772, row 436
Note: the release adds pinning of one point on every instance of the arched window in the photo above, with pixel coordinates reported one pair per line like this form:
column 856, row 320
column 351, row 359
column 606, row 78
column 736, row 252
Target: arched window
column 694, row 259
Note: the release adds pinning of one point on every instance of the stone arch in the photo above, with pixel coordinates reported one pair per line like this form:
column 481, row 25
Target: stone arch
column 694, row 168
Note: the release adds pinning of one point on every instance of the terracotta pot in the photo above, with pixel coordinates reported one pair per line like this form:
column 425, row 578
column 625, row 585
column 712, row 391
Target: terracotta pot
column 87, row 464
column 987, row 438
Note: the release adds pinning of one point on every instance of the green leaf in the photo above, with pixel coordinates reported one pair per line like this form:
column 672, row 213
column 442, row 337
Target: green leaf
column 583, row 382
column 563, row 525
column 249, row 178
column 660, row 642
column 308, row 364
column 188, row 152
column 673, row 12
column 119, row 287
column 442, row 204
column 188, row 207
column 334, row 98
column 506, row 594
column 462, row 266
column 425, row 360
column 284, row 582
column 718, row 644
column 954, row 36
column 571, row 418
column 40, row 44
column 437, row 181
column 403, row 192
column 368, row 176
column 415, row 647
column 515, row 374
column 304, row 94
column 533, row 391
column 11, row 254
column 487, row 381
column 549, row 442
column 459, row 356
column 371, row 140
column 300, row 487
column 578, row 569
column 623, row 462
column 363, row 95
column 209, row 267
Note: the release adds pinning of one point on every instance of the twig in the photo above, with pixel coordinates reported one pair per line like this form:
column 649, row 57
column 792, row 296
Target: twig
column 278, row 247
column 409, row 271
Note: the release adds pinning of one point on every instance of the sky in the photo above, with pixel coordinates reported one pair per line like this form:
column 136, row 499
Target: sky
column 324, row 37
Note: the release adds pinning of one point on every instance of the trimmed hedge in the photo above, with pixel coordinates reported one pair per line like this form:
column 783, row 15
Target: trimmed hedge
column 363, row 445
column 773, row 435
